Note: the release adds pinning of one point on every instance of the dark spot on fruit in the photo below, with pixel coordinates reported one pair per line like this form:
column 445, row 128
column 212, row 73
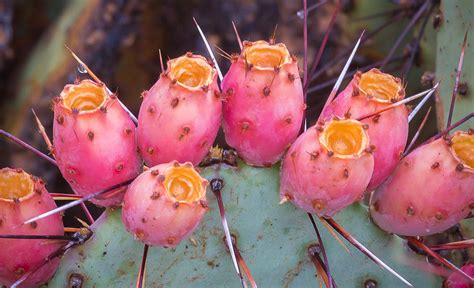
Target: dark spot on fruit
column 355, row 91
column 16, row 200
column 288, row 120
column 410, row 211
column 143, row 220
column 348, row 114
column 19, row 271
column 71, row 171
column 266, row 91
column 376, row 118
column 244, row 126
column 205, row 88
column 229, row 91
column 313, row 155
column 151, row 109
column 175, row 163
column 161, row 178
column 155, row 172
column 34, row 225
column 439, row 216
column 90, row 135
column 330, row 153
column 150, row 150
column 365, row 126
column 60, row 119
column 435, row 165
column 375, row 206
column 346, row 173
column 319, row 129
column 175, row 205
column 459, row 167
column 171, row 240
column 291, row 77
column 276, row 69
column 173, row 81
column 128, row 131
column 186, row 130
column 19, row 170
column 119, row 167
column 217, row 94
column 217, row 184
column 103, row 109
column 174, row 102
column 318, row 204
column 155, row 195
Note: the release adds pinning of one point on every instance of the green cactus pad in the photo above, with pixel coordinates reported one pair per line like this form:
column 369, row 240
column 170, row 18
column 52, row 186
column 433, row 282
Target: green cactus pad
column 272, row 238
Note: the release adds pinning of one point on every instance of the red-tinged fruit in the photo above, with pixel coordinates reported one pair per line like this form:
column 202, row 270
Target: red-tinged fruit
column 94, row 141
column 430, row 190
column 328, row 167
column 456, row 280
column 264, row 105
column 367, row 93
column 181, row 114
column 165, row 204
column 22, row 197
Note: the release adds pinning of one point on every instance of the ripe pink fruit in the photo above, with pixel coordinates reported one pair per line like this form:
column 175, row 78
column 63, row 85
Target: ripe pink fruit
column 369, row 92
column 165, row 204
column 456, row 280
column 327, row 168
column 94, row 141
column 22, row 197
column 430, row 190
column 264, row 104
column 181, row 114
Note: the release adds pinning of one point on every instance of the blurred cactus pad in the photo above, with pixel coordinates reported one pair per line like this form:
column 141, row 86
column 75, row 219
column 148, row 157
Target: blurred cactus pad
column 418, row 41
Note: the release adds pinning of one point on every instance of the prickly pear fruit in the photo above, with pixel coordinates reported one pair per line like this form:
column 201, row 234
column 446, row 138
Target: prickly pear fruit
column 94, row 141
column 430, row 190
column 369, row 92
column 456, row 280
column 165, row 204
column 181, row 114
column 264, row 105
column 328, row 167
column 22, row 197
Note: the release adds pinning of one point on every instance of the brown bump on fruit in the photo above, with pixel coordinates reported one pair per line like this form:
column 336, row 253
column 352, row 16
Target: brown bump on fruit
column 189, row 54
column 346, row 173
column 150, row 150
column 173, row 81
column 176, row 205
column 119, row 167
column 204, row 203
column 103, row 109
column 330, row 153
column 365, row 126
column 155, row 172
column 376, row 118
column 410, row 211
column 151, row 109
column 171, row 240
column 19, row 170
column 186, row 130
column 34, row 225
column 161, row 178
column 266, row 91
column 291, row 77
column 288, row 120
column 439, row 216
column 355, row 91
column 217, row 94
column 205, row 88
column 60, row 119
column 348, row 114
column 459, row 167
column 175, row 163
column 139, row 234
column 293, row 154
column 435, row 165
column 128, row 131
column 244, row 126
column 375, row 206
column 319, row 129
column 276, row 69
column 313, row 155
column 71, row 171
column 229, row 91
column 155, row 195
column 90, row 135
column 174, row 102
column 19, row 271
column 143, row 220
column 318, row 204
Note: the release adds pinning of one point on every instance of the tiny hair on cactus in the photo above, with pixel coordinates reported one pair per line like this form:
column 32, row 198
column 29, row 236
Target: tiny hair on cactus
column 164, row 204
column 22, row 196
column 88, row 121
column 263, row 102
column 180, row 115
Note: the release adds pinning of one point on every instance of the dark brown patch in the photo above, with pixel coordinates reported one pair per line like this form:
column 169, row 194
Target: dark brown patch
column 346, row 173
column 34, row 225
column 176, row 205
column 128, row 131
column 266, row 91
column 90, row 135
column 119, row 167
column 60, row 119
column 174, row 102
column 435, row 165
column 151, row 109
column 155, row 195
column 410, row 211
column 459, row 167
column 155, row 172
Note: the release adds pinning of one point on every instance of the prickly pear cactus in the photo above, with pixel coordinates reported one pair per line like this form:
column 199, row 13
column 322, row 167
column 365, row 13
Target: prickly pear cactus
column 272, row 238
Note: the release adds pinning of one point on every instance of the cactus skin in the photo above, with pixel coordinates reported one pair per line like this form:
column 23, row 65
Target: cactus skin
column 21, row 256
column 319, row 183
column 262, row 106
column 272, row 238
column 152, row 215
column 456, row 280
column 177, row 121
column 426, row 194
column 388, row 131
column 95, row 149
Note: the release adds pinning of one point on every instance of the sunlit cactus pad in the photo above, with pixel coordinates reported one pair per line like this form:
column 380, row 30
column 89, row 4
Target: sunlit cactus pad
column 272, row 238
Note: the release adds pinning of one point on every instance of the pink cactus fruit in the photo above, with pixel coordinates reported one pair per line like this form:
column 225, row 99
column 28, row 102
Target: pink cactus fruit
column 263, row 107
column 94, row 141
column 328, row 167
column 456, row 280
column 165, row 204
column 22, row 197
column 430, row 190
column 181, row 114
column 369, row 92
